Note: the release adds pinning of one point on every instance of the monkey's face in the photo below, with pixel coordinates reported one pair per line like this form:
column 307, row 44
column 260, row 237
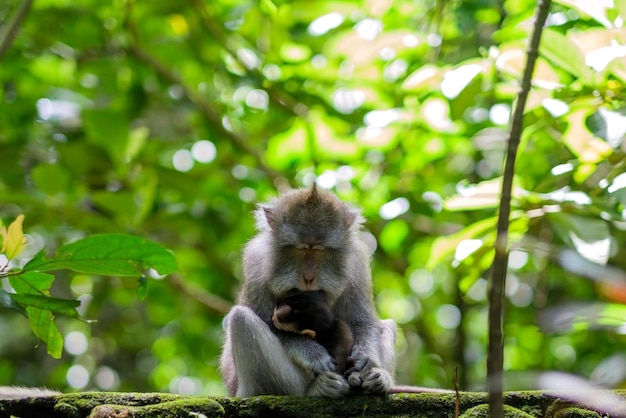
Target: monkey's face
column 309, row 267
column 311, row 232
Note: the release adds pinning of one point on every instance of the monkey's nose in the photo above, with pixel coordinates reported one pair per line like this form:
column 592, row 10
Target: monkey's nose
column 309, row 282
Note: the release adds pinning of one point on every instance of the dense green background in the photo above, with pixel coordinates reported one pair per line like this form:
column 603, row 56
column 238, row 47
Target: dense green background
column 169, row 120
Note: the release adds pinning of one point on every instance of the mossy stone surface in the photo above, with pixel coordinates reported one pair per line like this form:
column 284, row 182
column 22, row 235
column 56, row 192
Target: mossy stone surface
column 423, row 405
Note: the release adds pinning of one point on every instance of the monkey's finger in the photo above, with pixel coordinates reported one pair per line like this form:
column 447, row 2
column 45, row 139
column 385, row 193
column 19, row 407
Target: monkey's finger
column 377, row 381
column 355, row 379
column 329, row 385
column 361, row 364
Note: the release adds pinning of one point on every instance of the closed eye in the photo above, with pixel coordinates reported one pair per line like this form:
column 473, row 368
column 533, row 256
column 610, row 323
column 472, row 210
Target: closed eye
column 316, row 247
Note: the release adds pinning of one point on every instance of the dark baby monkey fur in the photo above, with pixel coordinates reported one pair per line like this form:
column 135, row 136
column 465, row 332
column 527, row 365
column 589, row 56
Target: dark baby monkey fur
column 308, row 313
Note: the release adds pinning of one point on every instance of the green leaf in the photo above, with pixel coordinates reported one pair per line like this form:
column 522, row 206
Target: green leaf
column 142, row 289
column 110, row 254
column 51, row 179
column 461, row 86
column 608, row 125
column 563, row 53
column 8, row 303
column 444, row 246
column 43, row 326
column 65, row 307
column 31, row 282
column 482, row 195
column 108, row 130
column 393, row 235
column 620, row 5
column 32, row 289
column 590, row 237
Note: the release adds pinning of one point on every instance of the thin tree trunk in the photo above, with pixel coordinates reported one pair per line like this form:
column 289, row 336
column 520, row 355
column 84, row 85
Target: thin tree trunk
column 495, row 356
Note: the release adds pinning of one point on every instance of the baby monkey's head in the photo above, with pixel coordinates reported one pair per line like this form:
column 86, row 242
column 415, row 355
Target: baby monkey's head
column 303, row 312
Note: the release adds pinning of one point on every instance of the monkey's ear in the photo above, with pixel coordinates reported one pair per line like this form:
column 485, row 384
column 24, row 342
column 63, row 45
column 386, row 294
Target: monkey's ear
column 265, row 217
column 352, row 216
column 269, row 216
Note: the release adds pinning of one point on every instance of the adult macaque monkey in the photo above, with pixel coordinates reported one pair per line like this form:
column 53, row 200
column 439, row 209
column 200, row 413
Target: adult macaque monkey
column 308, row 240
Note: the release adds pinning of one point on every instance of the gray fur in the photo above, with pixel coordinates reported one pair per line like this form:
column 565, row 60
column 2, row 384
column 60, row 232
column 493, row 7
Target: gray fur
column 18, row 392
column 257, row 359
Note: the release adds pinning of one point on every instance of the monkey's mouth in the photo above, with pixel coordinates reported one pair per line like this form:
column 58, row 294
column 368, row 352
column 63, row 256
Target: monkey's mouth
column 309, row 287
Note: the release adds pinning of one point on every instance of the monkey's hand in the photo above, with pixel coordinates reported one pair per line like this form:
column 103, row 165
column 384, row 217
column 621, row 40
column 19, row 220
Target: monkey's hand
column 310, row 355
column 329, row 385
column 314, row 358
column 367, row 377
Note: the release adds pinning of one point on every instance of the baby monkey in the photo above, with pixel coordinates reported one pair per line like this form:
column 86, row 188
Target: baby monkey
column 308, row 313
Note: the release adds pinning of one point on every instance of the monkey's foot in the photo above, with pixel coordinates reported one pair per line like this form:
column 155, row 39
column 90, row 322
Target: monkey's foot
column 374, row 381
column 329, row 385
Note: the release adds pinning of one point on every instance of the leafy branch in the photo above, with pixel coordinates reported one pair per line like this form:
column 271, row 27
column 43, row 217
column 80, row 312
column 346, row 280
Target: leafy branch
column 6, row 39
column 201, row 105
column 110, row 254
column 495, row 355
column 276, row 95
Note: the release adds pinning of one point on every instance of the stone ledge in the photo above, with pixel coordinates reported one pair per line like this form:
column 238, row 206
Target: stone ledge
column 551, row 404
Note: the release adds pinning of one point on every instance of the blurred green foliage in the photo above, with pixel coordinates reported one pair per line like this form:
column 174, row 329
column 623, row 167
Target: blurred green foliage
column 170, row 120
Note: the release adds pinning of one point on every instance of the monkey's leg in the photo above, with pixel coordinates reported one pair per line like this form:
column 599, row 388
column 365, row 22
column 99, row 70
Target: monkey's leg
column 374, row 360
column 260, row 363
column 388, row 345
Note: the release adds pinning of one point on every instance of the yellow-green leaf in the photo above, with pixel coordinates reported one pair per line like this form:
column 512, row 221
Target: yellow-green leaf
column 13, row 239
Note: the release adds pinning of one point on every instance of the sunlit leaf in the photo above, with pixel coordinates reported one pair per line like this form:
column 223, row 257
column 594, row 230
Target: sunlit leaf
column 562, row 53
column 295, row 52
column 113, row 254
column 444, row 246
column 136, row 141
column 513, row 61
column 609, row 125
column 425, row 77
column 589, row 236
column 620, row 5
column 393, row 235
column 13, row 239
column 483, row 195
column 52, row 69
column 437, row 115
column 581, row 142
column 289, row 146
column 583, row 317
column 592, row 8
column 457, row 80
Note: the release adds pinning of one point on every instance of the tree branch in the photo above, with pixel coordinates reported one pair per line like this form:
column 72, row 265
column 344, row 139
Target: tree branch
column 201, row 105
column 495, row 355
column 276, row 95
column 7, row 38
column 209, row 300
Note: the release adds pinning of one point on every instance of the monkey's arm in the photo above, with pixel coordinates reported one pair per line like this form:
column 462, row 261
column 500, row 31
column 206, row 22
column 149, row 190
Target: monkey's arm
column 307, row 353
column 373, row 353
